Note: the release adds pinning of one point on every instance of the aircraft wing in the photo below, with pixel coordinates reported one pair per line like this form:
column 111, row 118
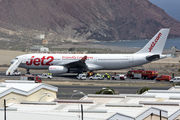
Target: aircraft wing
column 77, row 64
column 81, row 65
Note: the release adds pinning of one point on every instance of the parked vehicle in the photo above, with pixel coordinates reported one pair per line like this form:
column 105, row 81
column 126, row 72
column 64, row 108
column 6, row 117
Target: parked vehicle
column 96, row 77
column 164, row 78
column 16, row 73
column 45, row 75
column 175, row 80
column 81, row 76
column 37, row 79
column 141, row 73
column 119, row 77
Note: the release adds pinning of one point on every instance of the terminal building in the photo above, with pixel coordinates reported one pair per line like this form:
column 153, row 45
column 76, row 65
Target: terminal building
column 37, row 101
column 18, row 91
column 36, row 48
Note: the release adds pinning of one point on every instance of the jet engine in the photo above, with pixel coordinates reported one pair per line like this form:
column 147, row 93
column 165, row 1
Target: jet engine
column 58, row 69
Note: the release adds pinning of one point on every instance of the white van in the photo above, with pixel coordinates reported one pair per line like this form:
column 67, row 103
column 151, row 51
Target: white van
column 96, row 77
column 81, row 76
column 175, row 80
column 120, row 77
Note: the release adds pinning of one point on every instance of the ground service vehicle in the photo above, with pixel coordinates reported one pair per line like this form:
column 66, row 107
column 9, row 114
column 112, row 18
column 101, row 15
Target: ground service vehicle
column 141, row 73
column 164, row 78
column 81, row 76
column 96, row 77
column 37, row 79
column 16, row 73
column 119, row 77
column 45, row 75
column 175, row 80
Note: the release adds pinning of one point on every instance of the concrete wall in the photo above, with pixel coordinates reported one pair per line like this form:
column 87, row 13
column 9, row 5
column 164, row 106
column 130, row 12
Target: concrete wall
column 177, row 118
column 36, row 96
column 9, row 99
column 43, row 95
column 155, row 117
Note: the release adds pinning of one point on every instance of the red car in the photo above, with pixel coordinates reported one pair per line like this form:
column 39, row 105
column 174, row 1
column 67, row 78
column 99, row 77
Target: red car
column 164, row 78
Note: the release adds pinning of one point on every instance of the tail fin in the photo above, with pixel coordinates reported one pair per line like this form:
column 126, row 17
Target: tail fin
column 156, row 44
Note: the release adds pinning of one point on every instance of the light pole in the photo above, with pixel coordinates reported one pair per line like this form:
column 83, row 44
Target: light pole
column 105, row 89
column 5, row 106
column 82, row 111
column 76, row 92
column 50, row 94
column 46, row 94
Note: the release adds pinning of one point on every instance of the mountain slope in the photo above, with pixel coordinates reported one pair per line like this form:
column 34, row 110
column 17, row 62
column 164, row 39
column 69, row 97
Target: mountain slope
column 88, row 19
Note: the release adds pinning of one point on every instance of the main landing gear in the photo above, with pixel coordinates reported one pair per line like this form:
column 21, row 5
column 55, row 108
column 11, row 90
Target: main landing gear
column 27, row 71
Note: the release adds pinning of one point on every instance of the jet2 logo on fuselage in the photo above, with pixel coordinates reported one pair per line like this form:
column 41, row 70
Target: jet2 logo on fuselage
column 40, row 61
column 155, row 41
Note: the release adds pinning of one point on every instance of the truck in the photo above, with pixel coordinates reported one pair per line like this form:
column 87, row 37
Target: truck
column 142, row 74
column 45, row 75
column 36, row 79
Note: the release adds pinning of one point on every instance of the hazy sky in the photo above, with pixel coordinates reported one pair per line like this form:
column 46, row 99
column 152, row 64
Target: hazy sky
column 171, row 7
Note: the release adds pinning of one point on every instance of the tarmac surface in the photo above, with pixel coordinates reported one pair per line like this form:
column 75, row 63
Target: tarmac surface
column 67, row 83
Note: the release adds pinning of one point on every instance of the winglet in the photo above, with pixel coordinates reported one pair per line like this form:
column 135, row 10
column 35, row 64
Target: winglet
column 156, row 44
column 84, row 58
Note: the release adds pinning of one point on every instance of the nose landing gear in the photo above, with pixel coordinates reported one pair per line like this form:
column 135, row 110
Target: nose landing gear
column 27, row 71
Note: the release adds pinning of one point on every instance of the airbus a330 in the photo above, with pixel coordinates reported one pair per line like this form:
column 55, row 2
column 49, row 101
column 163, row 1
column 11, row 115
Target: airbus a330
column 78, row 63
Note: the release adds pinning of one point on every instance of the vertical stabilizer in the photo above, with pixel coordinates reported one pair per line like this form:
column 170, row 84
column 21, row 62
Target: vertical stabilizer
column 156, row 44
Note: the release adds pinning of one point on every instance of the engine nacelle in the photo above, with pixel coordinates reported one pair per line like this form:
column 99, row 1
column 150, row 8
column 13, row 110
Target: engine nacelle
column 58, row 69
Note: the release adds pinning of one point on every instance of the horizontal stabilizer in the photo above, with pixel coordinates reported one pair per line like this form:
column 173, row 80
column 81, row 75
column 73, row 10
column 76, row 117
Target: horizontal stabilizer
column 152, row 57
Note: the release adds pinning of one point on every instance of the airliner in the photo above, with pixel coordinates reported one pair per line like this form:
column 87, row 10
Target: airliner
column 78, row 63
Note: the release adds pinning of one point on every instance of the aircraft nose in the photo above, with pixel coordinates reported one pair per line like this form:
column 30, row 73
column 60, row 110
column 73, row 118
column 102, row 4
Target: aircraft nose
column 12, row 61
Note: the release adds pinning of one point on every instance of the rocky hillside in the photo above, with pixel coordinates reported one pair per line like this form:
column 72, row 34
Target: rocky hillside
column 87, row 19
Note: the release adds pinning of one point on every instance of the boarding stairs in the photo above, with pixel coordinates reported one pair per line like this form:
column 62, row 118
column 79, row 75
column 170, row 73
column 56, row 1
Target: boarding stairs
column 13, row 67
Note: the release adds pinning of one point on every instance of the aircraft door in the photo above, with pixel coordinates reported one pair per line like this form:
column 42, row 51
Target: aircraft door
column 131, row 58
column 24, row 59
column 95, row 60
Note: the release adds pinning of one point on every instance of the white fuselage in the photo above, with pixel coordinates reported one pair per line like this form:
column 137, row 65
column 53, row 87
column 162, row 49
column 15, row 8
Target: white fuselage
column 78, row 63
column 95, row 61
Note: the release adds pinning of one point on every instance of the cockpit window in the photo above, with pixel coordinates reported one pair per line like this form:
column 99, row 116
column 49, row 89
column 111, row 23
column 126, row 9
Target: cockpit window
column 16, row 58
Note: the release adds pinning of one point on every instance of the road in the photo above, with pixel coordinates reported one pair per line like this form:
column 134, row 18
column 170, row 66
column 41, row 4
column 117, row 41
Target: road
column 66, row 91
